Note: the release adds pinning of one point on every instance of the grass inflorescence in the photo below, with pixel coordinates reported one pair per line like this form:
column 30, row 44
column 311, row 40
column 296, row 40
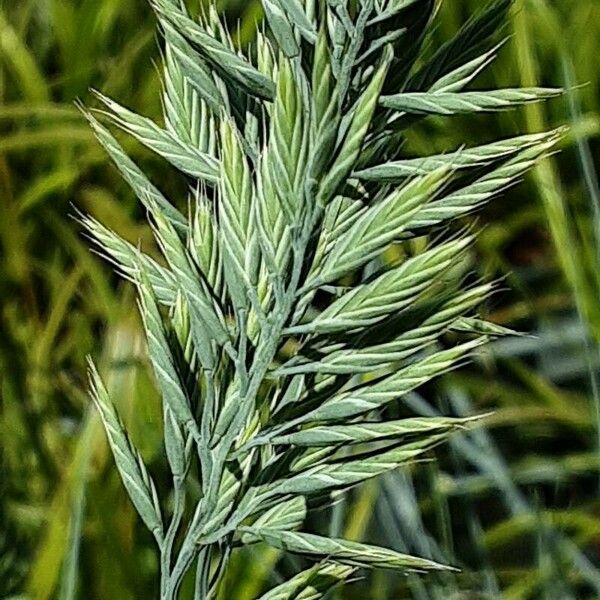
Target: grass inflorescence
column 276, row 334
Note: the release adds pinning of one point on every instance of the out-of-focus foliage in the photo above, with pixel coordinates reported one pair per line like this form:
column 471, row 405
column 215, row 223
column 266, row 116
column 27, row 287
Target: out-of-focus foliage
column 515, row 507
column 58, row 301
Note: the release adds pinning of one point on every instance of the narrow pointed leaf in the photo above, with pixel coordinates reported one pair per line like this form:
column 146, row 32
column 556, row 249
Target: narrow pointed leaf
column 204, row 243
column 340, row 215
column 311, row 584
column 453, row 103
column 378, row 226
column 351, row 146
column 136, row 479
column 286, row 515
column 201, row 301
column 473, row 37
column 391, row 292
column 481, row 327
column 174, row 443
column 346, row 552
column 281, row 27
column 368, row 432
column 288, row 140
column 374, row 395
column 181, row 155
column 239, row 240
column 462, row 159
column 347, row 473
column 339, row 359
column 167, row 376
column 221, row 57
column 127, row 258
column 474, row 195
column 145, row 191
column 296, row 14
column 461, row 76
column 193, row 68
column 282, row 170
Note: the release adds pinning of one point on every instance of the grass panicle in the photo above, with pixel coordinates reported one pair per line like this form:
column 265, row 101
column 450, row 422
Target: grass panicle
column 272, row 297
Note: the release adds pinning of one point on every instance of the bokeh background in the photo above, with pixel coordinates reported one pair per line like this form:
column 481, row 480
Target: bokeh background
column 515, row 504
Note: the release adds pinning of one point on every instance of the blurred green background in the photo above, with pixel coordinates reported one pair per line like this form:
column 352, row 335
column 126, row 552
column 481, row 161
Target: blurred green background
column 515, row 505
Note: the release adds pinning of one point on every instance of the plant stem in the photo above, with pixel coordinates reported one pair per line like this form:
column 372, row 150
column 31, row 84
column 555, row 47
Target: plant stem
column 167, row 546
column 201, row 588
column 265, row 352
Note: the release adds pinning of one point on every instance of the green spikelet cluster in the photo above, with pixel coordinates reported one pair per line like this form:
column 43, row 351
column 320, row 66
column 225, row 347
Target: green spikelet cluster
column 297, row 184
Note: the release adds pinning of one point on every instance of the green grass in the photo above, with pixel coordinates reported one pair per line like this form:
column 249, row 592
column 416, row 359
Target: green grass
column 59, row 302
